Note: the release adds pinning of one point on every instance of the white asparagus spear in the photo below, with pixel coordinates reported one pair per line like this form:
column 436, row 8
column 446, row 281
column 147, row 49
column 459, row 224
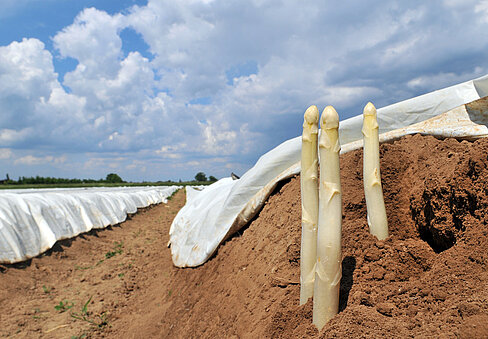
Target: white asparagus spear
column 310, row 203
column 375, row 205
column 328, row 266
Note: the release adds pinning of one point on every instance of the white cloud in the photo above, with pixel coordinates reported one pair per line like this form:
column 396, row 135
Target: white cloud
column 118, row 102
column 5, row 153
column 93, row 40
column 11, row 136
column 461, row 3
column 218, row 140
column 32, row 160
column 482, row 7
column 137, row 165
column 196, row 164
column 26, row 75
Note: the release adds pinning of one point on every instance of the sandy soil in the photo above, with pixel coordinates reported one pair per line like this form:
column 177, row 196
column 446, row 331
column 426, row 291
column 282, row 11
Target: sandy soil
column 428, row 279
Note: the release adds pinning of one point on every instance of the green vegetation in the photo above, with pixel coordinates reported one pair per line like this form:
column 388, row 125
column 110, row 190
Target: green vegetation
column 64, row 305
column 202, row 177
column 172, row 195
column 38, row 180
column 99, row 321
column 117, row 249
column 111, row 180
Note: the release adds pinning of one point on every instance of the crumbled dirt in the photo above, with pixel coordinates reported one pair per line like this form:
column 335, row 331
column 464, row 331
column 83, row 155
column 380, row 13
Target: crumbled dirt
column 429, row 278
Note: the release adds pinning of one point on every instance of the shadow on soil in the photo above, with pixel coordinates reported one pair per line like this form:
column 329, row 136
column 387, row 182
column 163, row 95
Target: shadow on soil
column 59, row 247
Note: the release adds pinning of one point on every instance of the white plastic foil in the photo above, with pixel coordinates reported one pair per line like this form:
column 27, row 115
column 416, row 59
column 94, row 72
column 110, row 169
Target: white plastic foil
column 32, row 220
column 215, row 213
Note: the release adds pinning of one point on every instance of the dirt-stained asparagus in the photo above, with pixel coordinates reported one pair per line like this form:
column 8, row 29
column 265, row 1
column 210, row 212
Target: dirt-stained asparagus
column 377, row 221
column 328, row 266
column 310, row 203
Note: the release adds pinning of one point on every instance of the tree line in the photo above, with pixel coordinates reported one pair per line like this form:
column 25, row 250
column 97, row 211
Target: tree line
column 200, row 176
column 111, row 178
column 38, row 180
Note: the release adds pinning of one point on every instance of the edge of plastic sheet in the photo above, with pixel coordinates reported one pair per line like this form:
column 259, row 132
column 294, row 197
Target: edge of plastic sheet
column 196, row 233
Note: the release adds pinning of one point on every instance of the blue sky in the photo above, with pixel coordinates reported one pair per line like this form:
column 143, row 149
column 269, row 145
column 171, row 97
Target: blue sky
column 163, row 89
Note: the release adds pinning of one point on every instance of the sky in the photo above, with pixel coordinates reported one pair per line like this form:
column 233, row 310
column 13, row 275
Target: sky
column 162, row 89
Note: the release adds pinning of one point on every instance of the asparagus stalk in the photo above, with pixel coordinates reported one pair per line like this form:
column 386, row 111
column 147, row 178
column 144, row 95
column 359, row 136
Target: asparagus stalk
column 375, row 205
column 328, row 266
column 310, row 203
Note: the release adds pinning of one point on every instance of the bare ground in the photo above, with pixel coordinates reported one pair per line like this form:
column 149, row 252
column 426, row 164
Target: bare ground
column 429, row 279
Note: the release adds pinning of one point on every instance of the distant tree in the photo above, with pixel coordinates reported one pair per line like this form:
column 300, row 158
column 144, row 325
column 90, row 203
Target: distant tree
column 113, row 178
column 8, row 178
column 212, row 178
column 200, row 176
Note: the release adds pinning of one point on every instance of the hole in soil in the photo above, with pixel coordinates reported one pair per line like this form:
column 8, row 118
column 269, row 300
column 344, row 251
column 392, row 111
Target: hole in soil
column 439, row 241
column 348, row 267
column 440, row 215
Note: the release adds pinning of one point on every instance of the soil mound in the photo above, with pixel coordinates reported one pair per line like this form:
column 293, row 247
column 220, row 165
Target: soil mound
column 428, row 279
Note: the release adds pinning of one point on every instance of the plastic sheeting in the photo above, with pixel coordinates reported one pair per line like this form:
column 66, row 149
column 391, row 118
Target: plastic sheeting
column 192, row 191
column 214, row 214
column 31, row 221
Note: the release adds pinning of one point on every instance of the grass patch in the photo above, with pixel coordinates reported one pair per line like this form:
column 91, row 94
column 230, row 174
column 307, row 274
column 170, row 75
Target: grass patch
column 99, row 320
column 117, row 249
column 63, row 306
column 172, row 195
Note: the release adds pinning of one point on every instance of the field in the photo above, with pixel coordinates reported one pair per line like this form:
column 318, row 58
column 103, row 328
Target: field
column 428, row 279
column 105, row 184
